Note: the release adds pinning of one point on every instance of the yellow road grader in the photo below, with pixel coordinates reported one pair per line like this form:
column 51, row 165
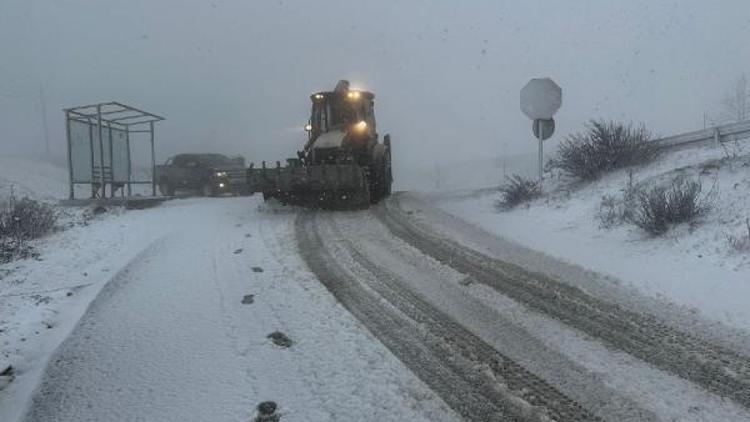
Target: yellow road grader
column 342, row 164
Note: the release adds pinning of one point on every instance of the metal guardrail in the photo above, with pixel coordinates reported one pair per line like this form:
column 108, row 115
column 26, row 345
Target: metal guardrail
column 719, row 134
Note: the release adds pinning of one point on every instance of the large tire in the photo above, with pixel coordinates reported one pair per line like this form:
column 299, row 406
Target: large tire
column 376, row 183
column 387, row 187
column 165, row 188
column 380, row 172
column 361, row 199
column 380, row 187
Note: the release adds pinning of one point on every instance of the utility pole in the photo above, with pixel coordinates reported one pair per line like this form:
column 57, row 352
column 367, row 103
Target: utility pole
column 45, row 128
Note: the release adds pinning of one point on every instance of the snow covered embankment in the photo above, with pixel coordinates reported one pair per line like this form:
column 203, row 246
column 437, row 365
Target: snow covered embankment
column 697, row 267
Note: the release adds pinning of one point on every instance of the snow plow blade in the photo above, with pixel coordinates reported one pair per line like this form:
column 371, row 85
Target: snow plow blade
column 329, row 186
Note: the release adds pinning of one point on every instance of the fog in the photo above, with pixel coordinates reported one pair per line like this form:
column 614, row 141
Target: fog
column 234, row 76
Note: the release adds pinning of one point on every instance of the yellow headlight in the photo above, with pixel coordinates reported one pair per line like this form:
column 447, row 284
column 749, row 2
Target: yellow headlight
column 318, row 96
column 353, row 95
column 361, row 126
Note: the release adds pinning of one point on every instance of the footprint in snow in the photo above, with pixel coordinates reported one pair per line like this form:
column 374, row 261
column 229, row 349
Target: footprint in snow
column 266, row 412
column 466, row 281
column 248, row 299
column 280, row 339
column 257, row 269
column 7, row 376
column 238, row 251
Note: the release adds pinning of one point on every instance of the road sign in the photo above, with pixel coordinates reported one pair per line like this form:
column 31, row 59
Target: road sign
column 541, row 98
column 548, row 128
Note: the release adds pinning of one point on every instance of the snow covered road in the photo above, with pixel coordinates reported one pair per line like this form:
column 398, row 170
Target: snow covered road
column 397, row 313
column 169, row 338
column 512, row 344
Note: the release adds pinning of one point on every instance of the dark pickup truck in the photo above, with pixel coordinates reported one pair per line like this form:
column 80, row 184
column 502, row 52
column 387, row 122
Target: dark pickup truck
column 208, row 174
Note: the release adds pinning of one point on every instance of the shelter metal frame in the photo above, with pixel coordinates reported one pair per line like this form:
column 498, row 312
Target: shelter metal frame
column 110, row 116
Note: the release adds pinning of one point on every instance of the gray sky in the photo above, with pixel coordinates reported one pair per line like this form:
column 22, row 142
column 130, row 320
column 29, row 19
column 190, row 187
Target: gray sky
column 234, row 76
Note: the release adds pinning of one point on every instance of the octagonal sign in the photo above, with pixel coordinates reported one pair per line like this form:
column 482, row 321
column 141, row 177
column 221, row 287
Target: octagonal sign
column 541, row 98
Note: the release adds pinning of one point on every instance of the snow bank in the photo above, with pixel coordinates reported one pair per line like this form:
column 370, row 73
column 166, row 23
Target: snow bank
column 691, row 266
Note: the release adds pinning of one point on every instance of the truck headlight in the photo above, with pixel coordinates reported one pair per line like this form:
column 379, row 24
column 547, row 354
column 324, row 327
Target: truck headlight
column 361, row 126
column 221, row 174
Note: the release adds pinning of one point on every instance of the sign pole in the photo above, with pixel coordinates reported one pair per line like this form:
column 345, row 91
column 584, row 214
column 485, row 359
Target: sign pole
column 541, row 152
column 540, row 100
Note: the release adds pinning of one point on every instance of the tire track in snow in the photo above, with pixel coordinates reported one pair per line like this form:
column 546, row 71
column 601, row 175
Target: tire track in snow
column 474, row 379
column 717, row 369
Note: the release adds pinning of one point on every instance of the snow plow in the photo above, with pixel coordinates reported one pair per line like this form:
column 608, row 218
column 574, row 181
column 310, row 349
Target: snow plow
column 342, row 164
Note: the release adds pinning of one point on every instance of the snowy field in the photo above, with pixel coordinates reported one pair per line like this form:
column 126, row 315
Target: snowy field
column 32, row 178
column 691, row 266
column 152, row 301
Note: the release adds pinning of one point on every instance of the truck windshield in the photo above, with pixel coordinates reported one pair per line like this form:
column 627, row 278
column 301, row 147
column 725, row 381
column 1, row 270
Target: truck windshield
column 342, row 111
column 332, row 113
column 215, row 160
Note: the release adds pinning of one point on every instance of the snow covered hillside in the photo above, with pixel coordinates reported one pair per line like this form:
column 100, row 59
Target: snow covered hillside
column 480, row 173
column 695, row 266
column 32, row 178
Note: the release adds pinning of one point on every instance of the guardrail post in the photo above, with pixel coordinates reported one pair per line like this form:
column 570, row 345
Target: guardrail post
column 717, row 137
column 153, row 158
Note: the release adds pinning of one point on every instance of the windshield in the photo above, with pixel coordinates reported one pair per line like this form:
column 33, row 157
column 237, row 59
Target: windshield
column 333, row 112
column 215, row 160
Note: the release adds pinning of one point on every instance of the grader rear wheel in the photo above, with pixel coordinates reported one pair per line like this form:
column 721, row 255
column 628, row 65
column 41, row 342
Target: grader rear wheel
column 381, row 179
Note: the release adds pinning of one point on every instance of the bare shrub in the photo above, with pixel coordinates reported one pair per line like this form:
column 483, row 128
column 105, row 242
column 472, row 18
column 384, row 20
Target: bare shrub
column 603, row 147
column 21, row 221
column 660, row 207
column 517, row 190
column 26, row 219
column 12, row 249
column 614, row 210
column 609, row 212
column 741, row 243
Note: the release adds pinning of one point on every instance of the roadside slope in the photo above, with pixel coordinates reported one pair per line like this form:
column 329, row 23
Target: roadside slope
column 694, row 267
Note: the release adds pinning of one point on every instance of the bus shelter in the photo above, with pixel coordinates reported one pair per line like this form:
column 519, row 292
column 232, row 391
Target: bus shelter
column 101, row 138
